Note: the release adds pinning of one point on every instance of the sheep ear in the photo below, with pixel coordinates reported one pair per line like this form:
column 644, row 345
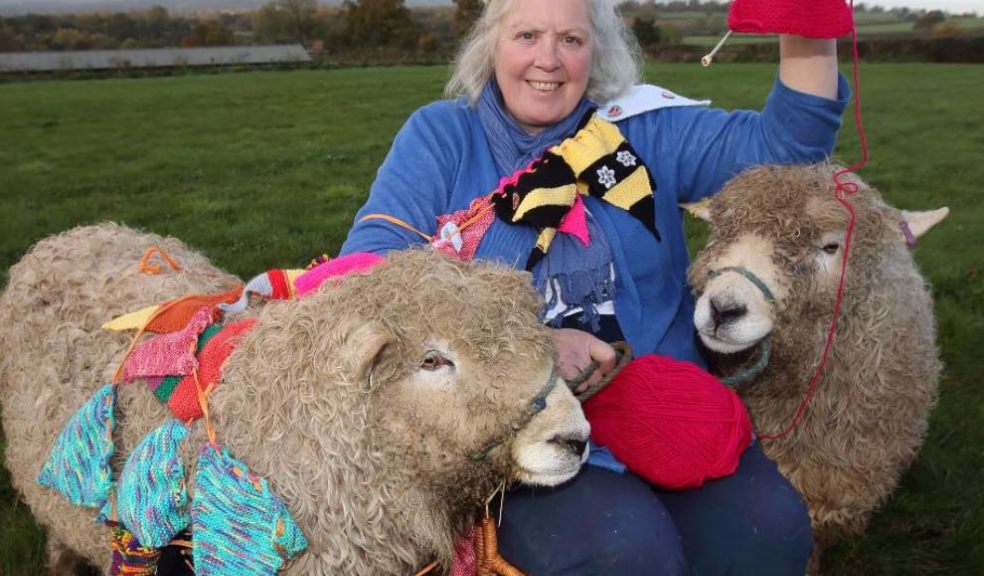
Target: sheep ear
column 364, row 347
column 700, row 209
column 920, row 222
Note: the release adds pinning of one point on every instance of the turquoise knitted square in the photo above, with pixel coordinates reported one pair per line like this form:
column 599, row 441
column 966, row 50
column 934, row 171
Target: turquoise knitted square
column 151, row 497
column 239, row 527
column 78, row 466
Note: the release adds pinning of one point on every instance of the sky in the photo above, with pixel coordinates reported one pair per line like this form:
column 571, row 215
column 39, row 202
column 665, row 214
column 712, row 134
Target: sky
column 953, row 6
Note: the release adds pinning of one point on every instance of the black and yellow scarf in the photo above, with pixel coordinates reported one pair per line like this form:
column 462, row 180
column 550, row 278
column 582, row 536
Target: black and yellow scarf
column 595, row 161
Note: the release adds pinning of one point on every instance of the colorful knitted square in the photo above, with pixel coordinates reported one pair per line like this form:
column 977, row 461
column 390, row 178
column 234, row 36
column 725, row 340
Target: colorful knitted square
column 276, row 284
column 459, row 233
column 130, row 558
column 78, row 466
column 168, row 354
column 175, row 314
column 214, row 348
column 240, row 528
column 151, row 498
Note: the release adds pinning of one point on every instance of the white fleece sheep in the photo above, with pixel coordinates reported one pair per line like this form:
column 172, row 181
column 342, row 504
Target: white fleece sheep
column 379, row 482
column 871, row 410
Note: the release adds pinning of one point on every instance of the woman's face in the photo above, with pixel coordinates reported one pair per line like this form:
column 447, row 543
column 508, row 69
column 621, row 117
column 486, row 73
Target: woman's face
column 543, row 60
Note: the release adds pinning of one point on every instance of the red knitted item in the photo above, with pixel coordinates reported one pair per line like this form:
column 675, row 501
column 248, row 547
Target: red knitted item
column 464, row 562
column 183, row 402
column 810, row 18
column 670, row 422
column 458, row 234
column 281, row 284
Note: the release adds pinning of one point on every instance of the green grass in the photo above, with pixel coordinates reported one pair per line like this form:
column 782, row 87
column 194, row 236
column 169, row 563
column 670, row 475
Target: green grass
column 734, row 40
column 266, row 169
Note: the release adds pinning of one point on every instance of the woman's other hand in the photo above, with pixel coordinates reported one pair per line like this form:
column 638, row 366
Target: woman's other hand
column 576, row 349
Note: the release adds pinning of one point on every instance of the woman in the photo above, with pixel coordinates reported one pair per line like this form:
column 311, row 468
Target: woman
column 527, row 78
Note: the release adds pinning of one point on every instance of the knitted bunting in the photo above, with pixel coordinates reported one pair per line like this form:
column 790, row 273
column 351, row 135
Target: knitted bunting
column 459, row 233
column 182, row 398
column 151, row 499
column 168, row 354
column 133, row 320
column 276, row 284
column 240, row 527
column 175, row 314
column 78, row 466
column 311, row 279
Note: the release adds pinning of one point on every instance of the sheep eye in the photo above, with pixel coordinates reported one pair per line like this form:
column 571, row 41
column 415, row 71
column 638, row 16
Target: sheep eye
column 434, row 360
column 831, row 248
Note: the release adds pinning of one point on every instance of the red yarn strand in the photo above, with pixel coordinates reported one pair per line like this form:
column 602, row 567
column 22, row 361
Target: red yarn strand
column 841, row 190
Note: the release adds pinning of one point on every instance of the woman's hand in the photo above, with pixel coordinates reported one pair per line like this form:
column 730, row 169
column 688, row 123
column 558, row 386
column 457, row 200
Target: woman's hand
column 576, row 349
column 808, row 65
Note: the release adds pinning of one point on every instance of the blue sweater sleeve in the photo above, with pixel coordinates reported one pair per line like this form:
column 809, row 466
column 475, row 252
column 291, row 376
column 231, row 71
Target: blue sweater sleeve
column 413, row 184
column 713, row 145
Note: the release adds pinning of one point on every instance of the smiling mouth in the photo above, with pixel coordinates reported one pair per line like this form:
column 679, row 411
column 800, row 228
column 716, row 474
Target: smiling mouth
column 544, row 86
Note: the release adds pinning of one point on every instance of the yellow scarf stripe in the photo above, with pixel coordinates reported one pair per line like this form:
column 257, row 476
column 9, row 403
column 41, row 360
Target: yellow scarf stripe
column 560, row 196
column 598, row 138
column 545, row 238
column 630, row 190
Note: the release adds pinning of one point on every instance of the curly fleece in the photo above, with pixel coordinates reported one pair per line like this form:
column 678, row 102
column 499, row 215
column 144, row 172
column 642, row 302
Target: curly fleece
column 376, row 475
column 870, row 413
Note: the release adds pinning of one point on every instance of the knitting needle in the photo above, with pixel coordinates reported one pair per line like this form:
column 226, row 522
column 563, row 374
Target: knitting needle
column 706, row 60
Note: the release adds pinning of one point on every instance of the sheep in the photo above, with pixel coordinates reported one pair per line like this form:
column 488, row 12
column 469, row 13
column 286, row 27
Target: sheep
column 363, row 404
column 778, row 233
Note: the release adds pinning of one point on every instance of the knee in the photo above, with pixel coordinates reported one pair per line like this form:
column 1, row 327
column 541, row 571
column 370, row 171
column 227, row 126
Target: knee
column 639, row 553
column 777, row 539
column 600, row 523
column 599, row 546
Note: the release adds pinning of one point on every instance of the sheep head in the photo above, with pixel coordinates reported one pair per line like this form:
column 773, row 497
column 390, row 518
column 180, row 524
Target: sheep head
column 776, row 247
column 409, row 391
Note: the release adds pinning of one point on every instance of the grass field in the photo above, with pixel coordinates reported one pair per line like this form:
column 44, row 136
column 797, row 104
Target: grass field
column 266, row 169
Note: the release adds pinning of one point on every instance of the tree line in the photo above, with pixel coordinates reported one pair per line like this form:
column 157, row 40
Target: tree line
column 371, row 29
column 379, row 25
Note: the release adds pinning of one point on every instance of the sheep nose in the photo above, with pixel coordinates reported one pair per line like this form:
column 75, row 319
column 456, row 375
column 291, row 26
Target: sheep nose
column 575, row 445
column 726, row 311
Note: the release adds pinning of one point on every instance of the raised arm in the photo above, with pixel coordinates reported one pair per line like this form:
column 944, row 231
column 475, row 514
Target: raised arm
column 808, row 65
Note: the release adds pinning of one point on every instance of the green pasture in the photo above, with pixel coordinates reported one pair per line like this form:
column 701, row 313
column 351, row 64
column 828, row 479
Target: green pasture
column 735, row 39
column 266, row 169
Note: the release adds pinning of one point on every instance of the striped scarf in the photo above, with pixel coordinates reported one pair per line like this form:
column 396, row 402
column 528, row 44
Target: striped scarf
column 595, row 161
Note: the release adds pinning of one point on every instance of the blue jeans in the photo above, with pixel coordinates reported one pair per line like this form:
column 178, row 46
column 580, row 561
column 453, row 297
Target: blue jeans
column 602, row 523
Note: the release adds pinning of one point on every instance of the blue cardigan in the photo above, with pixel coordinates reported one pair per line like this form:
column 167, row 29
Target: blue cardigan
column 440, row 161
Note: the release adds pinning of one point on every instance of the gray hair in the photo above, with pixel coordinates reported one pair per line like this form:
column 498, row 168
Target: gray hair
column 616, row 61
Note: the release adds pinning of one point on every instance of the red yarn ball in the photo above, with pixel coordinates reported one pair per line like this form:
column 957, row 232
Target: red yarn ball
column 670, row 422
